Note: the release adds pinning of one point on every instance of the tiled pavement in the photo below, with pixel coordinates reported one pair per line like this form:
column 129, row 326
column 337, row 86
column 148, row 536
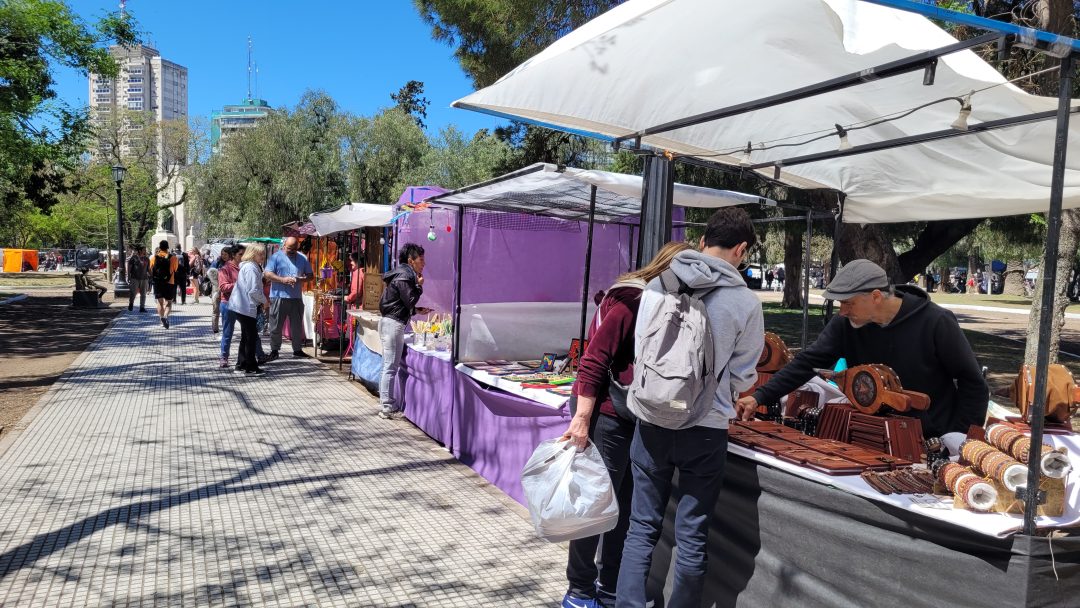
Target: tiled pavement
column 147, row 476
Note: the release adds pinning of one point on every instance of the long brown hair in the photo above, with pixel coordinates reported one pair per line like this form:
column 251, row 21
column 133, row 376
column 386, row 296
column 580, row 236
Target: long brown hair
column 659, row 263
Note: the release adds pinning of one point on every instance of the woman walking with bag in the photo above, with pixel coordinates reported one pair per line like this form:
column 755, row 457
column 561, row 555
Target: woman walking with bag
column 607, row 368
column 244, row 302
column 195, row 272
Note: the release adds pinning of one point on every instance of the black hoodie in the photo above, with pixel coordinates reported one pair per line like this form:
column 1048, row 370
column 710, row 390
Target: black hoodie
column 400, row 294
column 924, row 346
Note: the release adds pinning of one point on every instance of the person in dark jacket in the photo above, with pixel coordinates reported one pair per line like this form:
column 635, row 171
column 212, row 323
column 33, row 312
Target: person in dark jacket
column 609, row 355
column 404, row 285
column 181, row 277
column 900, row 327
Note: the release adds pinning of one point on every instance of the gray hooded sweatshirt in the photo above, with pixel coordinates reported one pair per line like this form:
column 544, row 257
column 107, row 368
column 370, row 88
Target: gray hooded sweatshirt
column 734, row 318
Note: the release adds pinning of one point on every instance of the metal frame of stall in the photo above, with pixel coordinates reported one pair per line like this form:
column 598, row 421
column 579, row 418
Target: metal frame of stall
column 809, row 216
column 659, row 167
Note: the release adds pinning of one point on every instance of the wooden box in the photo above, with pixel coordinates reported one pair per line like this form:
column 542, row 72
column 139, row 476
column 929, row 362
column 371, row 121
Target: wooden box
column 373, row 288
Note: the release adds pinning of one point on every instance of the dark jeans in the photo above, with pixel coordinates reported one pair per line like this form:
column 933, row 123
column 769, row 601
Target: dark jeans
column 245, row 359
column 612, row 437
column 699, row 454
column 181, row 281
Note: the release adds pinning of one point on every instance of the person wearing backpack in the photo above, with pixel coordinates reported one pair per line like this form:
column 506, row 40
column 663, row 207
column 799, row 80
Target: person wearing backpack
column 163, row 273
column 698, row 337
column 600, row 415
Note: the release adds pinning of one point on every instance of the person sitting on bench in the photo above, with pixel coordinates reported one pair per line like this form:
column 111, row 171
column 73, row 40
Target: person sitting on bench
column 85, row 283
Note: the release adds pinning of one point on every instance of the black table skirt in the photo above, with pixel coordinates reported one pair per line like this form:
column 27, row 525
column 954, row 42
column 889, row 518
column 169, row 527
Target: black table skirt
column 781, row 540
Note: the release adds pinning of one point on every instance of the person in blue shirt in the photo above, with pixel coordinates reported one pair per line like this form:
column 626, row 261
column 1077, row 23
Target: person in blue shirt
column 287, row 270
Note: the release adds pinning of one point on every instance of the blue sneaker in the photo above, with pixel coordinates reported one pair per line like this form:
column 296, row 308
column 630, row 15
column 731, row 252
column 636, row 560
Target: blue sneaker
column 573, row 601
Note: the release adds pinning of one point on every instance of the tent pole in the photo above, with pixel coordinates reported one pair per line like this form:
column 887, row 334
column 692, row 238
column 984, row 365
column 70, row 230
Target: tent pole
column 457, row 287
column 834, row 259
column 657, row 194
column 341, row 290
column 806, row 280
column 1048, row 276
column 588, row 268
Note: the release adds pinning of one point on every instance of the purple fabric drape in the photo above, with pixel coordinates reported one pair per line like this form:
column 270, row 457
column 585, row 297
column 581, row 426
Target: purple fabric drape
column 429, row 392
column 495, row 432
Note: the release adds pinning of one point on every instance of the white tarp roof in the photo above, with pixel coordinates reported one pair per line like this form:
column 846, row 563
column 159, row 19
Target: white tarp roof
column 350, row 217
column 544, row 188
column 647, row 62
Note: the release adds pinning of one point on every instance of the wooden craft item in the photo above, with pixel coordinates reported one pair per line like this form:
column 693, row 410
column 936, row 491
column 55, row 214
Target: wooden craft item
column 1062, row 394
column 775, row 355
column 875, row 388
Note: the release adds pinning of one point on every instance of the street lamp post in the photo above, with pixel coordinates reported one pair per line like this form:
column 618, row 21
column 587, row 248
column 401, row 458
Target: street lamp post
column 120, row 287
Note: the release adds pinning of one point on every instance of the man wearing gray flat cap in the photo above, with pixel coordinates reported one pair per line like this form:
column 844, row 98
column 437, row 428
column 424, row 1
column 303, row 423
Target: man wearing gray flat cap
column 896, row 326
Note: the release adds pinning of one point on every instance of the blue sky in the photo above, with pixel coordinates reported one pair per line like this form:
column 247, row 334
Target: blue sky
column 358, row 51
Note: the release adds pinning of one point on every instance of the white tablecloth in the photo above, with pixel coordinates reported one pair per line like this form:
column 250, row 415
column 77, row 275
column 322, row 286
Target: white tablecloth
column 539, row 395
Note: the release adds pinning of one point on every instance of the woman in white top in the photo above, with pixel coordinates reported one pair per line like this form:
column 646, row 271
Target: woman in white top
column 244, row 302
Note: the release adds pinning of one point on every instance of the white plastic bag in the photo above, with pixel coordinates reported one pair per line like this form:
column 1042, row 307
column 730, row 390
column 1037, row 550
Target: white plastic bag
column 568, row 492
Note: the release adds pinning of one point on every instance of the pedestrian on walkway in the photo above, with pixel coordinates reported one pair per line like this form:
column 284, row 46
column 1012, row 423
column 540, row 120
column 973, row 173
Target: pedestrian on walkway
column 697, row 452
column 180, row 279
column 215, row 296
column 244, row 301
column 404, row 285
column 227, row 276
column 138, row 277
column 163, row 272
column 608, row 359
column 195, row 271
column 287, row 270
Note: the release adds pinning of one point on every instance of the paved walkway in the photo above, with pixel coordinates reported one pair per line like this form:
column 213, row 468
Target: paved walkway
column 147, row 476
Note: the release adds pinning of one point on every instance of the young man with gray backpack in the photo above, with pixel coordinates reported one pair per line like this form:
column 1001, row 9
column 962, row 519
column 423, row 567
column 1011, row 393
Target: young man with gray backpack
column 699, row 334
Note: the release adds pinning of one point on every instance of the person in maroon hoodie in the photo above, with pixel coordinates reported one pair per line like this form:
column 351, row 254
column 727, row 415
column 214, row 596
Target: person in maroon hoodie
column 609, row 355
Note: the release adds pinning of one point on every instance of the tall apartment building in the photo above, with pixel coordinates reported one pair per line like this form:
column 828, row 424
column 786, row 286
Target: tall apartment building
column 151, row 84
column 235, row 118
column 147, row 83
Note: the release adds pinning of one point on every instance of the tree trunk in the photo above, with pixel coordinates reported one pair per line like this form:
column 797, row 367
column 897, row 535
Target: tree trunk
column 1013, row 278
column 793, row 264
column 972, row 269
column 1055, row 16
column 1070, row 234
column 867, row 242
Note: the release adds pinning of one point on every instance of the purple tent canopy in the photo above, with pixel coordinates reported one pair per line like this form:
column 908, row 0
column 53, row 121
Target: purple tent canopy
column 416, row 194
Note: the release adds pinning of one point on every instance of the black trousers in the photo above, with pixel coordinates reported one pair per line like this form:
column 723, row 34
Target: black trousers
column 181, row 281
column 245, row 358
column 587, row 576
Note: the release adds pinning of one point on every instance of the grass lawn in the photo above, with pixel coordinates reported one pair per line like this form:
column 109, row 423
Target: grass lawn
column 1002, row 356
column 16, row 280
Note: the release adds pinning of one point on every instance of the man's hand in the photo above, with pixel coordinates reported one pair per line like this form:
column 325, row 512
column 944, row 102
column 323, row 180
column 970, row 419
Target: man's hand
column 422, row 310
column 289, row 280
column 420, row 280
column 745, row 408
column 578, row 433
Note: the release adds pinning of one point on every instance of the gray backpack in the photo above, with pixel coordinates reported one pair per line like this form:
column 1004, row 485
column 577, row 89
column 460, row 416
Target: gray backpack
column 675, row 375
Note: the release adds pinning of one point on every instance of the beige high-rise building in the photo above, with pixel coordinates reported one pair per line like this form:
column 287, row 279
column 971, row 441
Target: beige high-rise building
column 151, row 84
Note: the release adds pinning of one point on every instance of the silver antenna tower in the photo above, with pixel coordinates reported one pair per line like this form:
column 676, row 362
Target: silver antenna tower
column 123, row 8
column 250, row 51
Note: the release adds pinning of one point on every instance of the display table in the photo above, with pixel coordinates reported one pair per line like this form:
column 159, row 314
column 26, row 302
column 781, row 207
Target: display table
column 996, row 524
column 538, row 395
column 779, row 539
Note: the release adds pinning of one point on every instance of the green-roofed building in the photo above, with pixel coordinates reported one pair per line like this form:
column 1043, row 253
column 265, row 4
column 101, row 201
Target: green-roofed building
column 234, row 118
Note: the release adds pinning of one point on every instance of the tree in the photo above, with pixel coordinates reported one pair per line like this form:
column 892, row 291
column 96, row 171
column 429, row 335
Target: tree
column 452, row 161
column 411, row 101
column 284, row 169
column 156, row 155
column 378, row 151
column 492, row 37
column 40, row 135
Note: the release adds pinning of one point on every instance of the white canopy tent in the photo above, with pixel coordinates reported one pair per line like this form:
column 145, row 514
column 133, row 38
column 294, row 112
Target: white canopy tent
column 350, row 217
column 648, row 62
column 565, row 192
